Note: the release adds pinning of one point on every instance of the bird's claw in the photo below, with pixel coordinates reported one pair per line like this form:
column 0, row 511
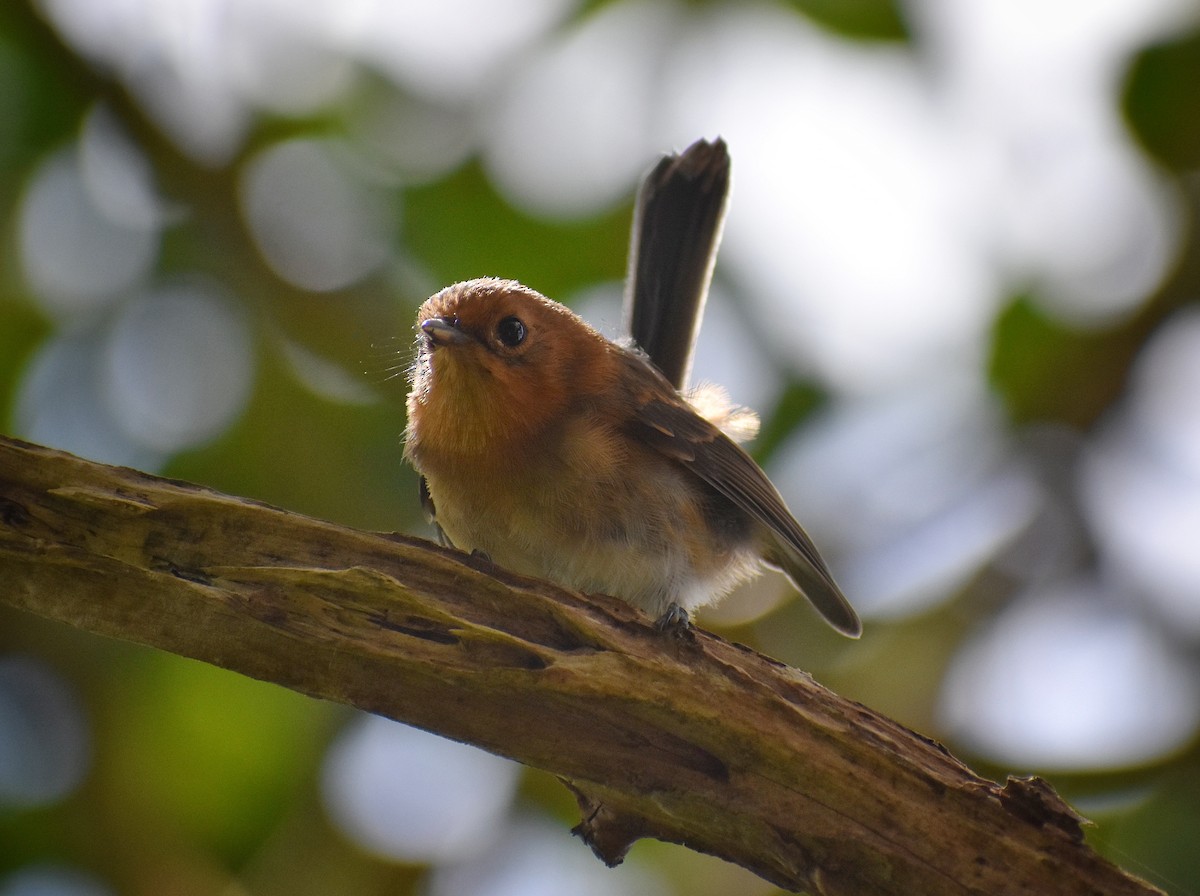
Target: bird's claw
column 674, row 621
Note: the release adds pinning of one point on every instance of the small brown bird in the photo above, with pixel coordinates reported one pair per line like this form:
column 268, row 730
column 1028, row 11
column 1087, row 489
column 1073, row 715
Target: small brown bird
column 563, row 455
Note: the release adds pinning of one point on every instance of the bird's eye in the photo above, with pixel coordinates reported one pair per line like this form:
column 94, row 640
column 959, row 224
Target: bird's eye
column 511, row 331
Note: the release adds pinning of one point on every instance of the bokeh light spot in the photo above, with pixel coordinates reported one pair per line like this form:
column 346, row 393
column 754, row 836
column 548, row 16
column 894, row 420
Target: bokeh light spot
column 317, row 226
column 1141, row 480
column 118, row 178
column 908, row 492
column 536, row 858
column 52, row 880
column 61, row 403
column 454, row 50
column 45, row 742
column 412, row 796
column 850, row 223
column 288, row 57
column 178, row 367
column 570, row 133
column 1064, row 680
column 74, row 255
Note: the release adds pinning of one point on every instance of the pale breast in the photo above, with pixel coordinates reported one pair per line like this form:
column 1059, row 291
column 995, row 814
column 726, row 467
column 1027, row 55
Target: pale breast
column 595, row 517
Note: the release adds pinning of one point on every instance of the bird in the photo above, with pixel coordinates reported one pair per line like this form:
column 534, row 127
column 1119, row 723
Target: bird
column 559, row 453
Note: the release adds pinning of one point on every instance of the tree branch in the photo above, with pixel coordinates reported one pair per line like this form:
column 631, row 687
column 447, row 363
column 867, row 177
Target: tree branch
column 698, row 741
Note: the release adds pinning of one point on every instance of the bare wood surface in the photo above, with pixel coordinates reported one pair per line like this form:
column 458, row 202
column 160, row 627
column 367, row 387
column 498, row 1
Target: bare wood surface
column 699, row 742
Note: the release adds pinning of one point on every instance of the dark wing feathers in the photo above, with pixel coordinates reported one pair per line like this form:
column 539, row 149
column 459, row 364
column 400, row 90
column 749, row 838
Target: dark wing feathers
column 677, row 432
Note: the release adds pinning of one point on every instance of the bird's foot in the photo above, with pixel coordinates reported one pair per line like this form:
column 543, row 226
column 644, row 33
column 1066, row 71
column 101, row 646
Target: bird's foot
column 674, row 622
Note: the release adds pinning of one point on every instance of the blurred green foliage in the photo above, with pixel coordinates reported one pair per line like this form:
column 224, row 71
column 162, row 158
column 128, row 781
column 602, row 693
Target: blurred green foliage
column 1162, row 93
column 1087, row 367
column 860, row 19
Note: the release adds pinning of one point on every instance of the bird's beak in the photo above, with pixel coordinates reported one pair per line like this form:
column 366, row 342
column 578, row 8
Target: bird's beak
column 443, row 332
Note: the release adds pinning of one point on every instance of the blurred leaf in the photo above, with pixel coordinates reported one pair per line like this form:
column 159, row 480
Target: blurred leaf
column 40, row 102
column 22, row 330
column 798, row 401
column 1047, row 371
column 1162, row 94
column 859, row 19
column 1157, row 840
column 216, row 754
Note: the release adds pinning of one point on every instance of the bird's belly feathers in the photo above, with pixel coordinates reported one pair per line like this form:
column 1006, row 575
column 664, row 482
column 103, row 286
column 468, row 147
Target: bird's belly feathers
column 650, row 548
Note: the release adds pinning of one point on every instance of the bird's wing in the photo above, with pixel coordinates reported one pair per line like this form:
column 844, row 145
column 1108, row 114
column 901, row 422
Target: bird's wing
column 668, row 425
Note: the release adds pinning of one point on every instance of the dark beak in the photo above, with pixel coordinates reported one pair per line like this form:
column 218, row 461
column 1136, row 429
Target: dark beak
column 443, row 332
